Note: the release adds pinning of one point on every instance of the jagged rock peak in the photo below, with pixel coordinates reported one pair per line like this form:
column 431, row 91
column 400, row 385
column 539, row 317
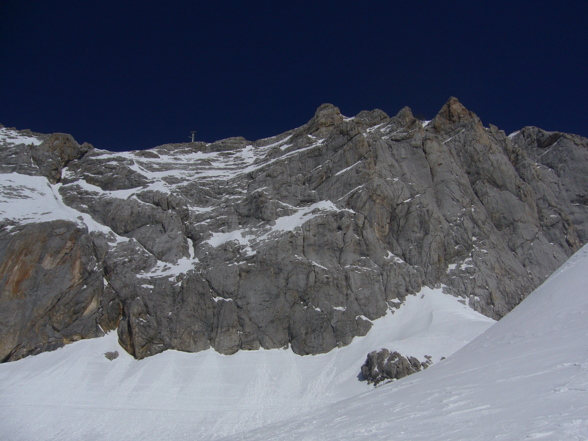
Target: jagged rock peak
column 326, row 110
column 327, row 115
column 55, row 152
column 65, row 147
column 453, row 112
column 371, row 118
column 536, row 137
column 405, row 113
column 405, row 116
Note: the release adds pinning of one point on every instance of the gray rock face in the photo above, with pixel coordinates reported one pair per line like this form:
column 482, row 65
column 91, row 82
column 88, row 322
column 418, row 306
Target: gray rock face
column 384, row 365
column 297, row 240
column 47, row 157
column 52, row 289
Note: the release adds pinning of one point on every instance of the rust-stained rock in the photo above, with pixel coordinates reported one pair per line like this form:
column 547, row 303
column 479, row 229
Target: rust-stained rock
column 49, row 288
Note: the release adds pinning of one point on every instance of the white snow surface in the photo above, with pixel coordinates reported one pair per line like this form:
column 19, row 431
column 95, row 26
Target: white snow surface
column 187, row 165
column 75, row 393
column 29, row 199
column 524, row 378
column 14, row 137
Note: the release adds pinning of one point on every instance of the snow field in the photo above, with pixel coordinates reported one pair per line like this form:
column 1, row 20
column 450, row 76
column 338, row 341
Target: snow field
column 76, row 393
column 524, row 378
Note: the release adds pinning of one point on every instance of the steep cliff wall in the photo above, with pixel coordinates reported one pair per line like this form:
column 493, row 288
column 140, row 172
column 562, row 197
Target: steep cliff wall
column 301, row 239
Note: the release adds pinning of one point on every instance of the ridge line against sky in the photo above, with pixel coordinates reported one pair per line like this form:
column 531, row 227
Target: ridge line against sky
column 129, row 75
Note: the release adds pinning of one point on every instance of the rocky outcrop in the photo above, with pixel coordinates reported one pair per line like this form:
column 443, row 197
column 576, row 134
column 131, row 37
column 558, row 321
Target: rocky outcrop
column 46, row 155
column 298, row 240
column 384, row 365
column 51, row 289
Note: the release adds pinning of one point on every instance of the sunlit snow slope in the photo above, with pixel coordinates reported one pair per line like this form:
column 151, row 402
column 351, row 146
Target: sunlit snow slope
column 76, row 393
column 525, row 378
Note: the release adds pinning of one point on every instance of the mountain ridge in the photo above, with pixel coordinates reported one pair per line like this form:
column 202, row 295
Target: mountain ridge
column 300, row 240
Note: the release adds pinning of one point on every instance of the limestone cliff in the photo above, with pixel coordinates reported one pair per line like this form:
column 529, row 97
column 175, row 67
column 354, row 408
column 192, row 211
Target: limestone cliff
column 297, row 240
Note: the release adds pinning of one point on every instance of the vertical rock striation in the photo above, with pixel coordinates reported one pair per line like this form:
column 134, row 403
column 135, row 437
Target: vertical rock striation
column 297, row 240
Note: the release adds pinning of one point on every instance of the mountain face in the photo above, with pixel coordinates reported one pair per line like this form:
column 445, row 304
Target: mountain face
column 524, row 378
column 297, row 240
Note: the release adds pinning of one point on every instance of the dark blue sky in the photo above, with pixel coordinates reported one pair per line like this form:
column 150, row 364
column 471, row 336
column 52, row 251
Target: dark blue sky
column 130, row 75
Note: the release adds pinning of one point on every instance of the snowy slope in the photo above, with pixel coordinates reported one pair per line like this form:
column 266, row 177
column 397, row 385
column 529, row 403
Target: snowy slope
column 76, row 393
column 525, row 378
column 29, row 199
column 15, row 137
